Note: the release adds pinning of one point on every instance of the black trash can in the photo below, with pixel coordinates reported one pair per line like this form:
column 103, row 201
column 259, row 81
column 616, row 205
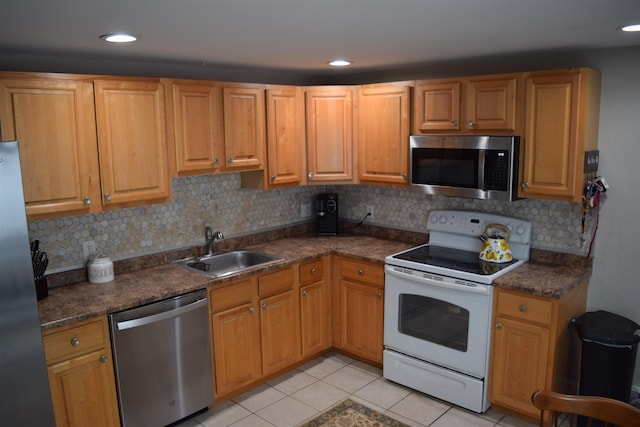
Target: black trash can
column 609, row 347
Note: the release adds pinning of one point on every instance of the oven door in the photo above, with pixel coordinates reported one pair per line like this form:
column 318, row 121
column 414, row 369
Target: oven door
column 439, row 320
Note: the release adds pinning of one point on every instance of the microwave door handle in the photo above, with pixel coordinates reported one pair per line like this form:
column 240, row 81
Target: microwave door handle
column 481, row 166
column 479, row 289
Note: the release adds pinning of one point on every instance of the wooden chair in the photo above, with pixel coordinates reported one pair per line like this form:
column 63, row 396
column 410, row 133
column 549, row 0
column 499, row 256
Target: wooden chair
column 604, row 409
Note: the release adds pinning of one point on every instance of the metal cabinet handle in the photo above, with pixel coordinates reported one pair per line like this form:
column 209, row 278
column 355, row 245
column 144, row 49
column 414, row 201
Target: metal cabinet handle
column 498, row 325
column 103, row 359
column 86, row 201
column 525, row 185
column 361, row 272
column 304, row 293
column 404, row 176
column 314, row 270
column 470, row 123
column 230, row 159
column 310, row 175
column 264, row 306
column 107, row 197
column 75, row 342
column 273, row 178
column 252, row 310
column 379, row 295
column 523, row 308
column 454, row 123
column 216, row 161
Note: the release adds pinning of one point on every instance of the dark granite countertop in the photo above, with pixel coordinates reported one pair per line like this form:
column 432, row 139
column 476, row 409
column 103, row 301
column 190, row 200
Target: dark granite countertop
column 83, row 300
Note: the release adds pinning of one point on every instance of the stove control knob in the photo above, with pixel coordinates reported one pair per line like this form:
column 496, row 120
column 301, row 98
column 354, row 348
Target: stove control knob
column 434, row 218
column 443, row 219
column 520, row 229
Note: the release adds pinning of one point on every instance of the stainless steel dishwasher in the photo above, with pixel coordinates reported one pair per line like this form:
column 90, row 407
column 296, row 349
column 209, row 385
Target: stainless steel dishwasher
column 162, row 357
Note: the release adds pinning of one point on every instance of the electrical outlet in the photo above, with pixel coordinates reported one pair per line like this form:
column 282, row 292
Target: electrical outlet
column 370, row 212
column 305, row 210
column 88, row 249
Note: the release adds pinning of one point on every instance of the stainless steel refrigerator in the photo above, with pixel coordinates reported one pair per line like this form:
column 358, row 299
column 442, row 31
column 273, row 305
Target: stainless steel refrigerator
column 25, row 399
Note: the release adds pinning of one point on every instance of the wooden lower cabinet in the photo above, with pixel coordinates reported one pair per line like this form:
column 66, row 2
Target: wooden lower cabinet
column 81, row 374
column 533, row 348
column 315, row 313
column 359, row 308
column 255, row 327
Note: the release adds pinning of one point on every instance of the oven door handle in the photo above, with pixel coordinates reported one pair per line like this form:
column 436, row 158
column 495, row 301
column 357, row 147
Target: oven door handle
column 470, row 288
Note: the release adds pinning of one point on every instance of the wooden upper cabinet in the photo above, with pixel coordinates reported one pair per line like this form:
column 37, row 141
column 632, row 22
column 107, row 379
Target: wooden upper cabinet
column 383, row 136
column 244, row 126
column 285, row 136
column 471, row 105
column 561, row 123
column 54, row 123
column 132, row 140
column 494, row 103
column 437, row 106
column 329, row 133
column 195, row 119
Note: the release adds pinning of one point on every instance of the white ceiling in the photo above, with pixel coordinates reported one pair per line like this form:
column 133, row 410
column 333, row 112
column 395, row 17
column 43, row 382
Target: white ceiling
column 301, row 35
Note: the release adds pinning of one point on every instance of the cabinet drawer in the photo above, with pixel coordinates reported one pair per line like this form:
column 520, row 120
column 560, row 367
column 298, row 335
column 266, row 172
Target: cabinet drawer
column 525, row 307
column 238, row 293
column 272, row 283
column 68, row 342
column 311, row 271
column 362, row 271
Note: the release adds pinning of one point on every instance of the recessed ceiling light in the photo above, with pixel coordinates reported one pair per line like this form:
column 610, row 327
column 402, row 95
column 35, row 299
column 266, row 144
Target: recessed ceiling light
column 119, row 38
column 631, row 28
column 340, row 62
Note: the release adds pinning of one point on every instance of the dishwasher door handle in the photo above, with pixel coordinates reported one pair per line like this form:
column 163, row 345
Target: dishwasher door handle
column 175, row 312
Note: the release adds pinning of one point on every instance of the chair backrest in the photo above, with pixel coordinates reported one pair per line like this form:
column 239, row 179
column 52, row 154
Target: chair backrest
column 604, row 409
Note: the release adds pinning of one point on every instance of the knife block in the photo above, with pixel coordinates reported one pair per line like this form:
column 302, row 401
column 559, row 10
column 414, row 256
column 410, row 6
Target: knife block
column 42, row 289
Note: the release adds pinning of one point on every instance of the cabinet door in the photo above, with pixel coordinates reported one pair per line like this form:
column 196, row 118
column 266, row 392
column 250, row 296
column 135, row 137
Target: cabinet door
column 519, row 362
column 285, row 136
column 315, row 318
column 437, row 106
column 244, row 127
column 132, row 141
column 197, row 127
column 280, row 332
column 383, row 154
column 329, row 132
column 362, row 320
column 551, row 152
column 492, row 104
column 83, row 391
column 236, row 348
column 54, row 123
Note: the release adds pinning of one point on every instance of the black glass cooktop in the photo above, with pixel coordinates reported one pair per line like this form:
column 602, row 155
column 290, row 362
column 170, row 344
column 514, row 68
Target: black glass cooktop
column 454, row 259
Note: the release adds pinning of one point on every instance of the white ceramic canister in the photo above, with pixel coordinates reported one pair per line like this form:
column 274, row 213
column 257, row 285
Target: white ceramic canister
column 100, row 269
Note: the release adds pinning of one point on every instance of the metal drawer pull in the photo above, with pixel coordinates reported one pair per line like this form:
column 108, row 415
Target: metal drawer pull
column 361, row 272
column 252, row 310
column 75, row 342
column 379, row 295
column 314, row 270
column 523, row 308
column 304, row 293
column 498, row 325
column 264, row 306
column 103, row 359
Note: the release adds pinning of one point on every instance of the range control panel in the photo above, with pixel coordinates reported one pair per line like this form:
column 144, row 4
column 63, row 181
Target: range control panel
column 472, row 223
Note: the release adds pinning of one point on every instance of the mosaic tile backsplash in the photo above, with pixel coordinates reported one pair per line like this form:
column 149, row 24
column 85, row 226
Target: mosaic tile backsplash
column 219, row 201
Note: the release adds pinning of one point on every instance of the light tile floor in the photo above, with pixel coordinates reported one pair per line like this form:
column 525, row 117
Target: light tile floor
column 309, row 390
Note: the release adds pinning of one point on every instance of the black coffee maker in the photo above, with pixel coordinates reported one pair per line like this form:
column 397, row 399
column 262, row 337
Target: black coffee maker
column 327, row 214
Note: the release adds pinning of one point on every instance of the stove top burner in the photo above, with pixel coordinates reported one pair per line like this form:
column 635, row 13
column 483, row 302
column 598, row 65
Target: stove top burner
column 454, row 259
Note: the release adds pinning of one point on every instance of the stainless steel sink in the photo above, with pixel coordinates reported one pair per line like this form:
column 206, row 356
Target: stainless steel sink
column 226, row 263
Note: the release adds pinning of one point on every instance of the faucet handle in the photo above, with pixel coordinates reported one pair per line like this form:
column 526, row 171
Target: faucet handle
column 218, row 235
column 208, row 234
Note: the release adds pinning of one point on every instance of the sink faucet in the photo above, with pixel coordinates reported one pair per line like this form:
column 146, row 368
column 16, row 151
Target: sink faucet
column 210, row 237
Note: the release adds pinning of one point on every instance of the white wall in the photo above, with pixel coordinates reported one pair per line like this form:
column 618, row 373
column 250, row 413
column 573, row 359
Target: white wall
column 615, row 284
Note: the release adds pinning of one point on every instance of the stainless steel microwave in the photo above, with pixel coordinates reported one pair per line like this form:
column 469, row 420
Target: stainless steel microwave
column 477, row 167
